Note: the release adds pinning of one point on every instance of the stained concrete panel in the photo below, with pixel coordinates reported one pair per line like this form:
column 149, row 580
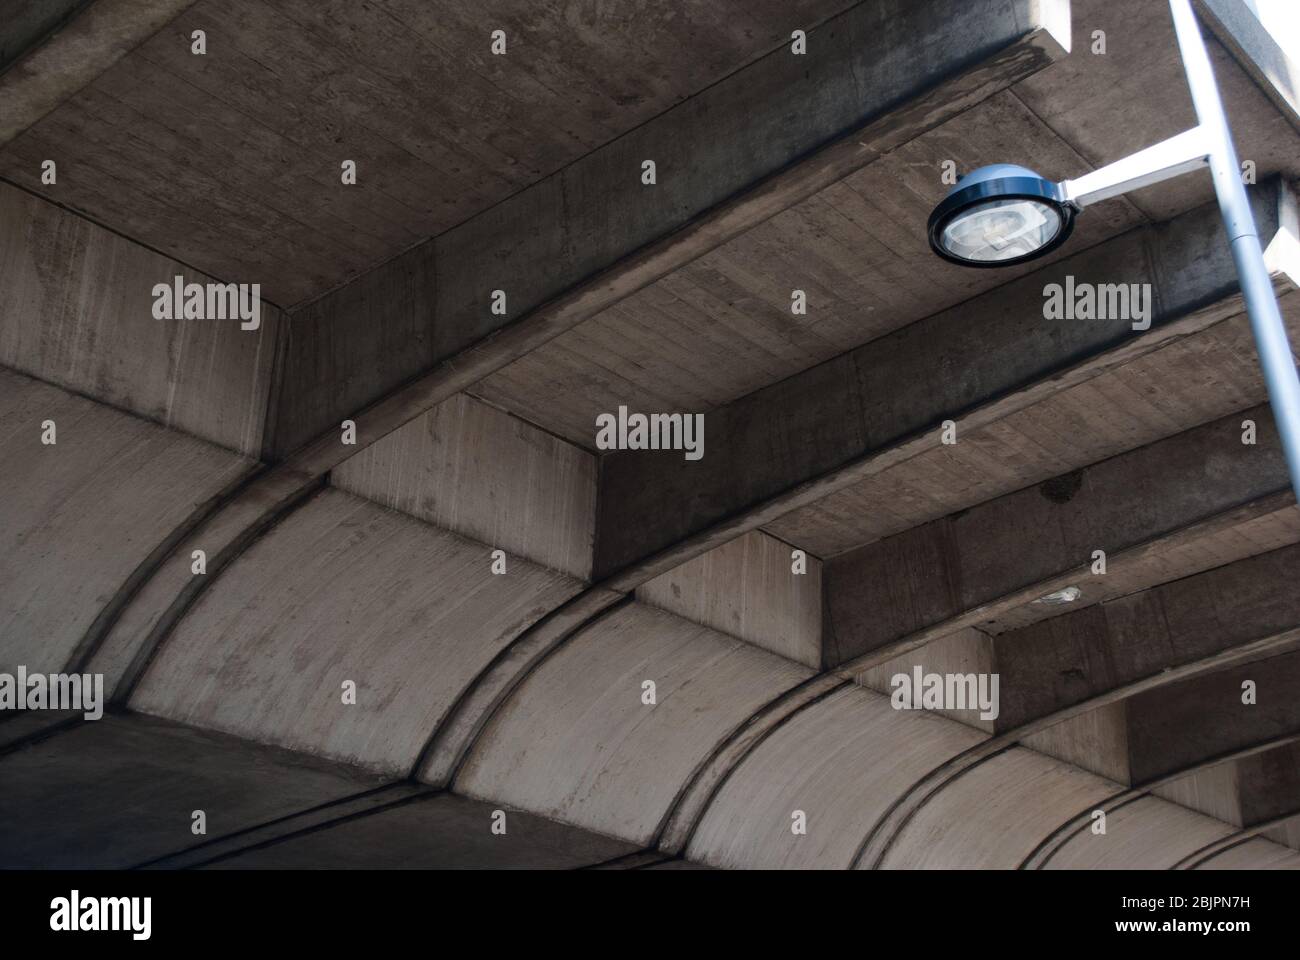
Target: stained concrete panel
column 79, row 515
column 1096, row 740
column 440, row 832
column 993, row 816
column 964, row 652
column 576, row 743
column 121, row 791
column 344, row 590
column 76, row 309
column 843, row 761
column 746, row 588
column 480, row 472
column 1147, row 834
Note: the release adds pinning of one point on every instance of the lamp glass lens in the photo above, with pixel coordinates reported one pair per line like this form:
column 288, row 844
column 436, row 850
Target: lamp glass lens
column 1001, row 230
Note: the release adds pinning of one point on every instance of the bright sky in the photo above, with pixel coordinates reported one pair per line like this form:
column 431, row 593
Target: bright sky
column 1282, row 18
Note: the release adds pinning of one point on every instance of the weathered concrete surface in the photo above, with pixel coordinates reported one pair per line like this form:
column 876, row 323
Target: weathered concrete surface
column 841, row 763
column 121, row 791
column 1183, row 383
column 721, row 326
column 76, row 309
column 253, row 133
column 1136, row 94
column 1170, row 729
column 1194, row 743
column 1049, row 666
column 29, row 23
column 438, row 832
column 89, row 44
column 479, row 472
column 79, row 515
column 709, row 778
column 1238, row 28
column 879, row 66
column 799, row 440
column 964, row 652
column 450, row 744
column 576, row 743
column 1147, row 834
column 1110, row 652
column 343, row 590
column 985, row 566
column 160, row 602
column 748, row 588
column 21, row 730
column 1247, row 792
column 1096, row 740
column 320, row 817
column 993, row 817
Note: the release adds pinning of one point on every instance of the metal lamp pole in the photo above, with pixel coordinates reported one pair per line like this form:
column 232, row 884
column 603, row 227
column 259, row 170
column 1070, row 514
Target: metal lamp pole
column 1256, row 286
column 1210, row 144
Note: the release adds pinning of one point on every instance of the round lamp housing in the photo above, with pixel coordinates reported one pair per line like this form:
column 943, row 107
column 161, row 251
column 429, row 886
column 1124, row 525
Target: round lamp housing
column 998, row 216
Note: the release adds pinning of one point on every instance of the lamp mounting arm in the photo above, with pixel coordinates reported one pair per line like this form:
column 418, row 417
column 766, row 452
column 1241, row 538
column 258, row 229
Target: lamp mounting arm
column 1184, row 153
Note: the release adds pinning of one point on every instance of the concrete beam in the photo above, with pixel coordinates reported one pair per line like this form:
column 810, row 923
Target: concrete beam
column 479, row 472
column 1114, row 651
column 799, row 440
column 1161, row 512
column 1177, row 727
column 1054, row 665
column 1220, row 769
column 992, row 45
column 748, row 588
column 76, row 309
column 87, row 39
column 1187, row 742
column 728, row 158
column 838, row 761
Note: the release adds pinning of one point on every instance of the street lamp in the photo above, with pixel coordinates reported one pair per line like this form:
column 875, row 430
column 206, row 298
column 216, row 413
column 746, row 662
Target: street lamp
column 1001, row 215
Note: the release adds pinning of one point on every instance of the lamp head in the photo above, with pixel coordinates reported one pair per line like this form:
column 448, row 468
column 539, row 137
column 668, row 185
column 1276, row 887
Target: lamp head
column 998, row 216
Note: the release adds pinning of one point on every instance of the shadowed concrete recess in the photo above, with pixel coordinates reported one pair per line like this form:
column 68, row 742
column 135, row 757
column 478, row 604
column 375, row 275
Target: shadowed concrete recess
column 954, row 583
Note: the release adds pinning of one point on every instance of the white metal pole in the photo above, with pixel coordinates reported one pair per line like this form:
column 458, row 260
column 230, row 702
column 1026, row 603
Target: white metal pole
column 1271, row 341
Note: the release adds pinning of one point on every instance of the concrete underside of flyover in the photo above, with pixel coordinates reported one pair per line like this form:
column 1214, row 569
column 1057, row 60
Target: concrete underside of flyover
column 360, row 584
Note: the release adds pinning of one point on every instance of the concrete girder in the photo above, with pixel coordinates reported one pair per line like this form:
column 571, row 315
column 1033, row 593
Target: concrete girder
column 1026, row 42
column 1196, row 500
column 739, row 152
column 1212, row 626
column 794, row 443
